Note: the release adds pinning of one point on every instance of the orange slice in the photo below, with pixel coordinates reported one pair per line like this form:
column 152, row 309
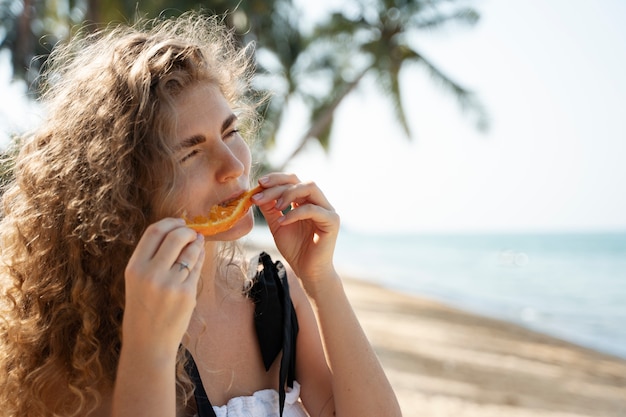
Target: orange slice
column 223, row 217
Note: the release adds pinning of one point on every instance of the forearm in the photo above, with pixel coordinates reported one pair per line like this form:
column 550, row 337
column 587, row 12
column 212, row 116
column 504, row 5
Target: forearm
column 145, row 384
column 160, row 298
column 360, row 386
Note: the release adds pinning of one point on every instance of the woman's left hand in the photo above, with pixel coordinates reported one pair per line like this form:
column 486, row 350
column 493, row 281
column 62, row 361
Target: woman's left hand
column 307, row 233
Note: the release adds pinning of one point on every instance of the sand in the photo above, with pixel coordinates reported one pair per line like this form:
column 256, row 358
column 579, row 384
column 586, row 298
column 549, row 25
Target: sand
column 445, row 362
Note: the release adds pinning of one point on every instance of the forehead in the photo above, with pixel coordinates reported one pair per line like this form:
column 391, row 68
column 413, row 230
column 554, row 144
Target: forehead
column 200, row 109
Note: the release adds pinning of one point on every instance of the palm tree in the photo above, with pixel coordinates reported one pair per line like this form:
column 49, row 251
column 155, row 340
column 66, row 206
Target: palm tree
column 320, row 68
column 376, row 40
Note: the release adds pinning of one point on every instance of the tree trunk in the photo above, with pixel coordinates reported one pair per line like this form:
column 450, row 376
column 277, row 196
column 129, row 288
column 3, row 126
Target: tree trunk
column 93, row 13
column 323, row 120
column 24, row 43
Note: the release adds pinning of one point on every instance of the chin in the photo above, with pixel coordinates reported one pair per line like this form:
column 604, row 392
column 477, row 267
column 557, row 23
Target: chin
column 239, row 230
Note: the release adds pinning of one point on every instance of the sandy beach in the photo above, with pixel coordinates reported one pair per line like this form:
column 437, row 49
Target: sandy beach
column 445, row 362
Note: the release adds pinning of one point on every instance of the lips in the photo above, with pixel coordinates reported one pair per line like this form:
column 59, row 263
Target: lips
column 231, row 199
column 221, row 218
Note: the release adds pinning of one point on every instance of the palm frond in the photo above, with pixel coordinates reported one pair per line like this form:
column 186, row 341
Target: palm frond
column 465, row 16
column 467, row 99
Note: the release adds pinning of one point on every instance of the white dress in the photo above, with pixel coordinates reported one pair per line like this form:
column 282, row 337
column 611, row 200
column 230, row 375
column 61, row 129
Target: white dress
column 263, row 403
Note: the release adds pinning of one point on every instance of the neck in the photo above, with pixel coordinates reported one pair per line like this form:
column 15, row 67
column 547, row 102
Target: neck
column 218, row 288
column 217, row 278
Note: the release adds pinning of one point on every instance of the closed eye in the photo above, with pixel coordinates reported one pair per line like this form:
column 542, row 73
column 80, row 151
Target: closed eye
column 190, row 146
column 229, row 126
column 231, row 133
column 189, row 155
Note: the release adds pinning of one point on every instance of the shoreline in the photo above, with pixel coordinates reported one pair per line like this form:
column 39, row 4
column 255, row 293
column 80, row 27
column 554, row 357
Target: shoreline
column 443, row 361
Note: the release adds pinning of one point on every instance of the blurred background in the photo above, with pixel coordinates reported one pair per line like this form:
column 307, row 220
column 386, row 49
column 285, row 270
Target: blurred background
column 474, row 149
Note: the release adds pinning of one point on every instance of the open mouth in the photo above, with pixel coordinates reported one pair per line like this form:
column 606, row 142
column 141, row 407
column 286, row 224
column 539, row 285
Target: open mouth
column 224, row 215
column 230, row 202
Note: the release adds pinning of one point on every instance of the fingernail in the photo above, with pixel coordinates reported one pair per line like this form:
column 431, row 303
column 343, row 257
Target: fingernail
column 279, row 203
column 264, row 180
column 257, row 196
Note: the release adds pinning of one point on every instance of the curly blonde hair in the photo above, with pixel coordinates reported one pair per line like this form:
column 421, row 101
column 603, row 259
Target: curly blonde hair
column 86, row 185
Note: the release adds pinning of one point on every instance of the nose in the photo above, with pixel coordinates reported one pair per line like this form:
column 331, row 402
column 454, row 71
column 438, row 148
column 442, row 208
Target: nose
column 230, row 164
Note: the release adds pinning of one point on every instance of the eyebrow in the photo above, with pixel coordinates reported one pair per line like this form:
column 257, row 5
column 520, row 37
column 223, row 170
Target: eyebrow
column 197, row 139
column 229, row 121
column 191, row 142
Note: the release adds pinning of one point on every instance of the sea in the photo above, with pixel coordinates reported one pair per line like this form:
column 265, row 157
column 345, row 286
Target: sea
column 568, row 285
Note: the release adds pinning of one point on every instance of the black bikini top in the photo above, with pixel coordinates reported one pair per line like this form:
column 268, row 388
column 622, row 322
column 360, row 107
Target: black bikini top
column 276, row 328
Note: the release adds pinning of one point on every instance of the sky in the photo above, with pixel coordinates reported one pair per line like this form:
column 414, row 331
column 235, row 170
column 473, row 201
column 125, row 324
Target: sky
column 551, row 76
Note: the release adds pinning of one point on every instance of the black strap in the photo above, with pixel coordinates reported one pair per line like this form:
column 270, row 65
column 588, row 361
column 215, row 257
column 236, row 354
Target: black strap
column 203, row 405
column 276, row 326
column 273, row 305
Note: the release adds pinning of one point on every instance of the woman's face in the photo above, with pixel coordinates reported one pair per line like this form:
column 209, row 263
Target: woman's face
column 215, row 160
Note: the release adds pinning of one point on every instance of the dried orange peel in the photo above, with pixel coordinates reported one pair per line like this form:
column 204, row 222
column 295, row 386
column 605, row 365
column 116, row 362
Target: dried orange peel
column 223, row 217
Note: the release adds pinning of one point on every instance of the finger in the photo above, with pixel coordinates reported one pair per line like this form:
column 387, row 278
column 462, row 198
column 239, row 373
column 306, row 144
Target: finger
column 270, row 194
column 188, row 256
column 278, row 178
column 194, row 275
column 173, row 244
column 285, row 189
column 303, row 193
column 324, row 220
column 270, row 212
column 152, row 238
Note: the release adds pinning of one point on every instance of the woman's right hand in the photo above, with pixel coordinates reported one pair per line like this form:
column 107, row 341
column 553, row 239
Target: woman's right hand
column 161, row 285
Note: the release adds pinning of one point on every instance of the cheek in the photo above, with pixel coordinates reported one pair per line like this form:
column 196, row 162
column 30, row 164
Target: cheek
column 244, row 155
column 173, row 202
column 184, row 186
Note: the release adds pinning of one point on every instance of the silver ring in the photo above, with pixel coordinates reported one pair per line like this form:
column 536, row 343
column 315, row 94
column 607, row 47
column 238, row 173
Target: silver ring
column 183, row 265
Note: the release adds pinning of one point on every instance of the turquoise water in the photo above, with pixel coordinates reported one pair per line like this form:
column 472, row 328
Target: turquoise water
column 572, row 286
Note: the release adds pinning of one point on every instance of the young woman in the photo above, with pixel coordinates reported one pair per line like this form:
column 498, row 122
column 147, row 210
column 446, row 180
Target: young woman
column 111, row 305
